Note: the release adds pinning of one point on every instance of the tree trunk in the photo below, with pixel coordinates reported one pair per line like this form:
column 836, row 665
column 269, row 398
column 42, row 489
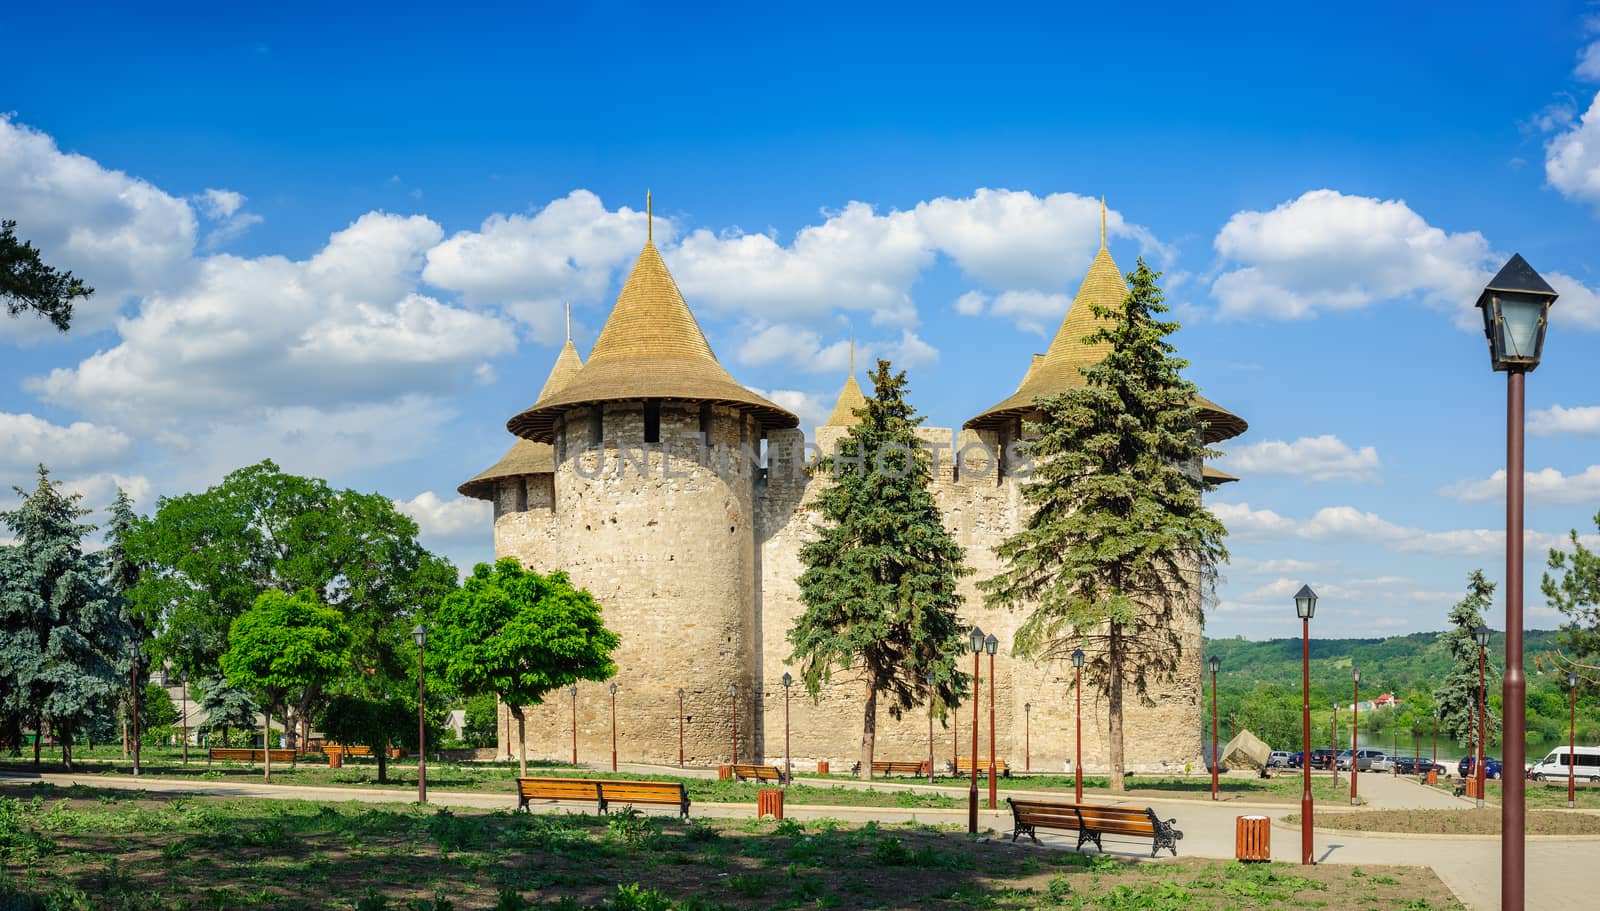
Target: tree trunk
column 266, row 742
column 869, row 732
column 383, row 762
column 522, row 743
column 38, row 739
column 66, row 752
column 1114, row 657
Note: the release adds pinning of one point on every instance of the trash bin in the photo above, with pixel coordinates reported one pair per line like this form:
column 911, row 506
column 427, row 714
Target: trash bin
column 1253, row 838
column 822, row 767
column 724, row 772
column 1433, row 776
column 769, row 802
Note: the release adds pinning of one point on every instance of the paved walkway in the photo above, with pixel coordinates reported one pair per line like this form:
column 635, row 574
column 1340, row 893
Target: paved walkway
column 1560, row 871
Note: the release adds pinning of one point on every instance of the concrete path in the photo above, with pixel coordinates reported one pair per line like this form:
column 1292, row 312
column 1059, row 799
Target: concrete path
column 1560, row 870
column 1384, row 791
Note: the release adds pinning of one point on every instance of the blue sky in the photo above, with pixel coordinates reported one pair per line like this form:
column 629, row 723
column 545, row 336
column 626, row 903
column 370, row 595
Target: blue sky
column 343, row 241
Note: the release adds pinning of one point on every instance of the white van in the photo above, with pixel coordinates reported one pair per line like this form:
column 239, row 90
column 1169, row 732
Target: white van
column 1554, row 766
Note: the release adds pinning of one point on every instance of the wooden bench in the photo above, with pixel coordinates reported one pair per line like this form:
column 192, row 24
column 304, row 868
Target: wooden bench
column 964, row 767
column 229, row 754
column 603, row 792
column 329, row 749
column 1091, row 822
column 771, row 773
column 894, row 767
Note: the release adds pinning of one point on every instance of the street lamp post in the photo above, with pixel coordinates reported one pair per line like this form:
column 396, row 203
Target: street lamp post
column 1215, row 663
column 1333, row 735
column 1077, row 744
column 931, row 679
column 976, row 641
column 1482, row 635
column 573, row 692
column 991, row 645
column 1305, row 606
column 680, row 727
column 183, row 680
column 1394, row 762
column 733, row 695
column 788, row 769
column 1355, row 733
column 1572, row 741
column 613, row 725
column 419, row 634
column 133, row 684
column 1435, row 739
column 1027, row 735
column 1516, row 309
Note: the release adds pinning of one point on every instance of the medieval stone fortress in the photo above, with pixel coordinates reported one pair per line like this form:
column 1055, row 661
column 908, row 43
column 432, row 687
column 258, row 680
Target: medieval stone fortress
column 640, row 473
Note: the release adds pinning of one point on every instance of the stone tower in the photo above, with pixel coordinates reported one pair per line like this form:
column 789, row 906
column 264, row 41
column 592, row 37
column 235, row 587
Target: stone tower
column 680, row 499
column 655, row 448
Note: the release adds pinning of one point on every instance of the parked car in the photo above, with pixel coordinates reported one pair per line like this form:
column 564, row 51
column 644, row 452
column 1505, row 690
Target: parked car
column 1344, row 758
column 1322, row 758
column 1555, row 765
column 1411, row 765
column 1296, row 759
column 1491, row 767
column 1278, row 760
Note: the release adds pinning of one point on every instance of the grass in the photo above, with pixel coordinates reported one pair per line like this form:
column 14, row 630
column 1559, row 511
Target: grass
column 1537, row 795
column 80, row 848
column 1453, row 822
column 1283, row 787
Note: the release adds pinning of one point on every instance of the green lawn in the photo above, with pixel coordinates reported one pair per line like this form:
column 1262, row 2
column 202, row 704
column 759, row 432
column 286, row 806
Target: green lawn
column 1282, row 788
column 1544, row 795
column 81, row 848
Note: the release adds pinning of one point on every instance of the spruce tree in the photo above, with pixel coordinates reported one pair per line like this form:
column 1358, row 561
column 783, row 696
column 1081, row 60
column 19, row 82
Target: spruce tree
column 62, row 640
column 1118, row 546
column 1573, row 587
column 1457, row 694
column 879, row 583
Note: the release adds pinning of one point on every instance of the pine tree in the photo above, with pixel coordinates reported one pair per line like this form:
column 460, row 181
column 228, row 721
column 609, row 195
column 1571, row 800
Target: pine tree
column 26, row 283
column 1573, row 587
column 879, row 583
column 1118, row 544
column 62, row 640
column 121, row 575
column 1457, row 695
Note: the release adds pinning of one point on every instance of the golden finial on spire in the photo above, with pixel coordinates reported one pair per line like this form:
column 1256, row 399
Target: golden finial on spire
column 569, row 319
column 852, row 357
column 649, row 220
column 1102, row 222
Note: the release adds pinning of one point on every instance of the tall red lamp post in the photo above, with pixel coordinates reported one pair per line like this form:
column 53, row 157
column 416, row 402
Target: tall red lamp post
column 1482, row 635
column 573, row 692
column 788, row 768
column 1333, row 735
column 420, row 635
column 1027, row 735
column 931, row 679
column 1435, row 740
column 1355, row 732
column 1077, row 741
column 613, row 725
column 733, row 695
column 133, row 686
column 1305, row 606
column 183, row 679
column 680, row 727
column 991, row 645
column 976, row 641
column 1516, row 309
column 1572, row 741
column 1215, row 663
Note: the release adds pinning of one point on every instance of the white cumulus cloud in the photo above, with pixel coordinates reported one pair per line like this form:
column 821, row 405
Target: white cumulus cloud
column 1558, row 420
column 1321, row 458
column 1546, row 486
column 1572, row 158
column 27, row 440
column 452, row 518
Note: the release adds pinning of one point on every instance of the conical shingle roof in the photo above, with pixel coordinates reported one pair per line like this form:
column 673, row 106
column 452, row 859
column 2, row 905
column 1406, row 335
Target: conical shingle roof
column 844, row 410
column 1061, row 366
column 651, row 348
column 526, row 457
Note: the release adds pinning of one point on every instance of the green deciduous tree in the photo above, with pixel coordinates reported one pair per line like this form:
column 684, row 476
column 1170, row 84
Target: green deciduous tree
column 63, row 644
column 880, row 581
column 1573, row 587
column 282, row 646
column 208, row 556
column 375, row 723
column 519, row 635
column 1457, row 694
column 1118, row 547
column 26, row 283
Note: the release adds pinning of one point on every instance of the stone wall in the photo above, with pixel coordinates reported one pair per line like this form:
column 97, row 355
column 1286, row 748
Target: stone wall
column 697, row 571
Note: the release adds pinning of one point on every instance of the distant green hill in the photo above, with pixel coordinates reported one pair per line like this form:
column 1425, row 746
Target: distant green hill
column 1258, row 687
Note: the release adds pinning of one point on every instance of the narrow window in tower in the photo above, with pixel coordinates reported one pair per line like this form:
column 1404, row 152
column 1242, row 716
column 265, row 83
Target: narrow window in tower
column 522, row 494
column 705, row 422
column 596, row 425
column 652, row 421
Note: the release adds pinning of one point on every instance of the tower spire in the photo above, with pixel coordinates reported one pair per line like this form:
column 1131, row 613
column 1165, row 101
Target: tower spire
column 569, row 319
column 852, row 357
column 1102, row 222
column 649, row 220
